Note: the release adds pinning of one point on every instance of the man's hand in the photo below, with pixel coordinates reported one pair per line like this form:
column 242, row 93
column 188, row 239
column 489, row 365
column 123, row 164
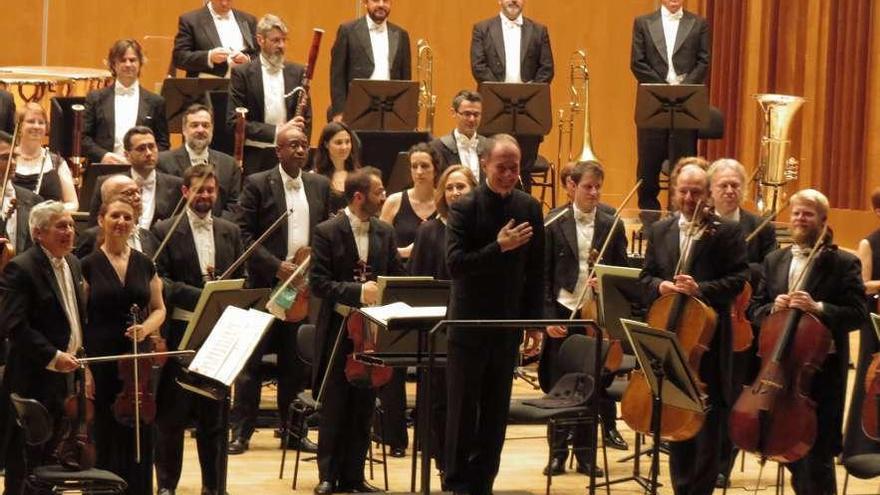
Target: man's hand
column 557, row 332
column 219, row 55
column 66, row 362
column 781, row 302
column 532, row 344
column 370, row 293
column 299, row 122
column 511, row 237
column 686, row 284
column 803, row 301
column 239, row 58
column 285, row 270
column 113, row 158
column 666, row 287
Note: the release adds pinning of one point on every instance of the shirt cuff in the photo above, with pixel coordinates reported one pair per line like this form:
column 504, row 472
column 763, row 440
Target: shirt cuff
column 53, row 362
column 821, row 307
column 361, row 298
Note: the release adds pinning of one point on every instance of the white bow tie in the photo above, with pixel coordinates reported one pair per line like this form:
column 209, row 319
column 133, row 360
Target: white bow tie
column 123, row 91
column 466, row 142
column 359, row 227
column 586, row 218
column 378, row 28
column 797, row 251
column 146, row 184
column 293, row 184
column 676, row 16
column 203, row 223
column 512, row 24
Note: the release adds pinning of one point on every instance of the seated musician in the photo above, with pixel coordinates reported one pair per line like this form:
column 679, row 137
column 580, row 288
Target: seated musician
column 569, row 245
column 463, row 145
column 38, row 169
column 348, row 252
column 717, row 274
column 42, row 303
column 141, row 239
column 112, row 111
column 337, row 155
column 16, row 204
column 201, row 247
column 833, row 292
column 213, row 39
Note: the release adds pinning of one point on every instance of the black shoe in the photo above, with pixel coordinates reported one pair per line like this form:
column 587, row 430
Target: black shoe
column 722, row 481
column 556, row 467
column 614, row 440
column 208, row 491
column 305, row 445
column 357, row 487
column 165, row 491
column 585, row 469
column 398, row 452
column 323, row 488
column 238, row 446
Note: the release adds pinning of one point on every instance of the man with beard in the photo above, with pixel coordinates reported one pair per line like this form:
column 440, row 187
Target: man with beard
column 202, row 244
column 265, row 197
column 833, row 292
column 198, row 129
column 463, row 145
column 213, row 39
column 141, row 239
column 348, row 252
column 262, row 86
column 367, row 48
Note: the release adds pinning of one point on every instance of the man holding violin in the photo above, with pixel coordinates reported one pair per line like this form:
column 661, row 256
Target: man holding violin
column 833, row 292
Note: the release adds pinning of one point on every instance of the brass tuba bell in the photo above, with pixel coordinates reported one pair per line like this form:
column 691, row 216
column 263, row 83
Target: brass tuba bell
column 776, row 168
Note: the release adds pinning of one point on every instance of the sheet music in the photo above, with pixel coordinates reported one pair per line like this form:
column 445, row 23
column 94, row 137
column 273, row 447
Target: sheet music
column 397, row 310
column 230, row 344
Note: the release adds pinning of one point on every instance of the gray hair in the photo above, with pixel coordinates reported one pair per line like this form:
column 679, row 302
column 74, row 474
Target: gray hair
column 43, row 213
column 269, row 22
column 727, row 164
column 113, row 184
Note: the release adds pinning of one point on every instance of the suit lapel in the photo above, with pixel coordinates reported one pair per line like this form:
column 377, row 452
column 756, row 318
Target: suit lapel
column 782, row 269
column 187, row 241
column 528, row 30
column 655, row 26
column 277, row 189
column 374, row 255
column 600, row 231
column 684, row 29
column 109, row 109
column 569, row 232
column 142, row 107
column 393, row 43
column 245, row 31
column 672, row 245
column 49, row 275
column 498, row 39
column 182, row 159
column 22, row 233
column 207, row 24
column 362, row 33
column 257, row 78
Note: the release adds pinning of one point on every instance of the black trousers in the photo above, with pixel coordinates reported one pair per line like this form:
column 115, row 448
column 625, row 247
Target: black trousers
column 258, row 159
column 653, row 145
column 177, row 409
column 479, row 377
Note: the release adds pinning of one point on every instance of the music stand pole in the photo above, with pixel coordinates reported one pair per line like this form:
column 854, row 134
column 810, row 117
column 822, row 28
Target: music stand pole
column 656, row 416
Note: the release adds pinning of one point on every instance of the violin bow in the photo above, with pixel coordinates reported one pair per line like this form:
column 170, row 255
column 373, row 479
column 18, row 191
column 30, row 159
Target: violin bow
column 254, row 245
column 135, row 316
column 814, row 251
column 767, row 221
column 9, row 162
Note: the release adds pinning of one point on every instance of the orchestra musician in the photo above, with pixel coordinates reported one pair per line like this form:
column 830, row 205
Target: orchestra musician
column 337, row 155
column 7, row 112
column 834, row 293
column 669, row 46
column 464, row 145
column 14, row 221
column 868, row 252
column 112, row 111
column 369, row 47
column 198, row 130
column 38, row 169
column 141, row 239
column 718, row 272
column 202, row 244
column 43, row 306
column 262, row 87
column 495, row 251
column 344, row 248
column 213, row 39
column 570, row 242
column 160, row 192
column 265, row 197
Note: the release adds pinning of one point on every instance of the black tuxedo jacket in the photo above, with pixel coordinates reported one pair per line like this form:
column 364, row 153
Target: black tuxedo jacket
column 175, row 162
column 561, row 255
column 85, row 242
column 99, row 122
column 246, row 90
column 352, row 58
column 334, row 259
column 24, row 202
column 36, row 324
column 262, row 202
column 448, row 149
column 167, row 196
column 487, row 52
column 692, row 49
column 7, row 112
column 197, row 35
column 759, row 247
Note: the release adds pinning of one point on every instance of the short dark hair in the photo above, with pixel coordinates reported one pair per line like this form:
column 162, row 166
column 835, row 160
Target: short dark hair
column 202, row 171
column 196, row 108
column 875, row 199
column 592, row 167
column 465, row 95
column 135, row 131
column 436, row 158
column 359, row 181
column 118, row 49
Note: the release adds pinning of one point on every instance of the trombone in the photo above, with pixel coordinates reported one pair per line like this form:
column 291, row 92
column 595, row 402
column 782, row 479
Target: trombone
column 425, row 76
column 579, row 102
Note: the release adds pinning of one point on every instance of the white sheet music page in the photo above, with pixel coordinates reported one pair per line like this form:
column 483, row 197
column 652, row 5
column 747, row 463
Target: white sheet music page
column 397, row 310
column 230, row 344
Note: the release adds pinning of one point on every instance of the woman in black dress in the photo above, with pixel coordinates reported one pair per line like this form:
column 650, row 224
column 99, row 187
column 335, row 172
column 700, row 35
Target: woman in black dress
column 116, row 278
column 37, row 169
column 338, row 154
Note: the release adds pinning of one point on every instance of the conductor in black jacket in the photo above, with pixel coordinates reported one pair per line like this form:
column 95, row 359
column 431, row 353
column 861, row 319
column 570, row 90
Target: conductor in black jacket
column 262, row 87
column 112, row 111
column 214, row 38
column 670, row 33
column 495, row 252
column 358, row 49
column 833, row 292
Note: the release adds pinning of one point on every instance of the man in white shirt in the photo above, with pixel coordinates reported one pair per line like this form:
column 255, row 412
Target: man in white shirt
column 463, row 145
column 367, row 48
column 213, row 39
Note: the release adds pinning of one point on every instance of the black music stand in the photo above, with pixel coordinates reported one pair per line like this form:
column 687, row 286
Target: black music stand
column 518, row 109
column 381, row 149
column 211, row 305
column 620, row 297
column 382, row 105
column 90, row 178
column 223, row 139
column 400, row 177
column 672, row 107
column 180, row 93
column 61, row 117
column 665, row 367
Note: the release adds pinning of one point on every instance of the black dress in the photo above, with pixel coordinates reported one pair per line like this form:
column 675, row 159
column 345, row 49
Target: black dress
column 108, row 318
column 49, row 185
column 407, row 221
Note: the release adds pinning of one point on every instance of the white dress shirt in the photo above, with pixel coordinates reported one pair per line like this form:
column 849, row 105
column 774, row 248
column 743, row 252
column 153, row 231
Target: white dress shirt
column 467, row 151
column 203, row 238
column 64, row 278
column 379, row 43
column 732, row 216
column 148, row 197
column 798, row 263
column 12, row 219
column 298, row 221
column 197, row 158
column 125, row 107
column 585, row 224
column 274, row 103
column 512, row 31
column 670, row 31
column 683, row 226
column 228, row 30
column 361, row 231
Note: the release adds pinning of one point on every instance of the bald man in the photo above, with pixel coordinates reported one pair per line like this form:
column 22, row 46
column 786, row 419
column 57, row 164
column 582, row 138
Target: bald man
column 141, row 238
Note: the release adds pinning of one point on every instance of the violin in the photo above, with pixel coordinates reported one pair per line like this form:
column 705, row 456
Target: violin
column 871, row 403
column 76, row 450
column 363, row 338
column 693, row 321
column 292, row 296
column 774, row 417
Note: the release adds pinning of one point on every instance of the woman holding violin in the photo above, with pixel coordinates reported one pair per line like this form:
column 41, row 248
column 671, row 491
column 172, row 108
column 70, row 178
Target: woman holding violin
column 118, row 277
column 833, row 293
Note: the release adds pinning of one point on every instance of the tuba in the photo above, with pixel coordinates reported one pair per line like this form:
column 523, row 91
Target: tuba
column 579, row 101
column 425, row 76
column 775, row 168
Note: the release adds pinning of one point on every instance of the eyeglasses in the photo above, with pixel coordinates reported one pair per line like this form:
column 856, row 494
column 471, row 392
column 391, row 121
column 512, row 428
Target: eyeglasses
column 470, row 115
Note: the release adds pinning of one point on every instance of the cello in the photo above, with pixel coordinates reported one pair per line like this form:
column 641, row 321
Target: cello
column 871, row 403
column 775, row 417
column 694, row 323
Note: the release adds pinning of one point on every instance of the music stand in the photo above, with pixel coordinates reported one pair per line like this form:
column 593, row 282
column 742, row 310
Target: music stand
column 382, row 105
column 223, row 139
column 665, row 367
column 619, row 295
column 90, row 178
column 519, row 109
column 381, row 149
column 672, row 107
column 400, row 177
column 61, row 119
column 180, row 93
column 216, row 296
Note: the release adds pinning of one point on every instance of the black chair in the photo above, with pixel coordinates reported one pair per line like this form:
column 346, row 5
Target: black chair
column 862, row 466
column 543, row 175
column 34, row 419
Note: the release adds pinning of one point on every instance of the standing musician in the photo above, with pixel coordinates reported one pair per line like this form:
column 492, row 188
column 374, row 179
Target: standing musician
column 367, row 48
column 198, row 129
column 7, row 112
column 717, row 274
column 141, row 239
column 727, row 178
column 112, row 111
column 495, row 251
column 463, row 145
column 14, row 220
column 833, row 293
column 266, row 196
column 337, row 155
column 669, row 46
column 44, row 309
column 570, row 245
column 344, row 249
column 262, row 86
column 213, row 39
column 160, row 192
column 202, row 244
column 38, row 169
column 869, row 253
